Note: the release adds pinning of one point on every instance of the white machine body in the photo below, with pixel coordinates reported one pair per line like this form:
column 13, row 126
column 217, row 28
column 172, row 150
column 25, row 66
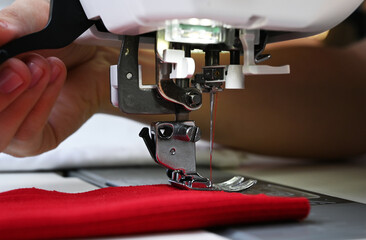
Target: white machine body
column 298, row 17
column 126, row 17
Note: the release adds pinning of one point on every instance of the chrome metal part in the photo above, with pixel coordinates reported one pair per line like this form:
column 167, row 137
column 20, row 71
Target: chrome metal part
column 172, row 145
column 197, row 182
column 235, row 184
column 212, row 112
column 180, row 136
column 189, row 181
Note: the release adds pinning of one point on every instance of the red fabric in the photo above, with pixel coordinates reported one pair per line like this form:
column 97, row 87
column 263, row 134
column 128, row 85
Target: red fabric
column 36, row 214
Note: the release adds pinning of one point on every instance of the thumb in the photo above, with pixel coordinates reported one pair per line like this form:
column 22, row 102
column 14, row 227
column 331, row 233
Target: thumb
column 22, row 18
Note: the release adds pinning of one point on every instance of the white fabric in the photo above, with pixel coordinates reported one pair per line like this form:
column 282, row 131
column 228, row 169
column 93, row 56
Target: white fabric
column 106, row 141
column 45, row 180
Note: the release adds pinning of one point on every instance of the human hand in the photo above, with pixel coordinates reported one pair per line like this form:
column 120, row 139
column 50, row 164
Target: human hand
column 46, row 95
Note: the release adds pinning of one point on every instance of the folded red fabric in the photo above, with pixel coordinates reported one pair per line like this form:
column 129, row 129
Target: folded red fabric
column 39, row 214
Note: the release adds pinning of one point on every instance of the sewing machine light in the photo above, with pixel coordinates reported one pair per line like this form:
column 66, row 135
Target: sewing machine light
column 194, row 30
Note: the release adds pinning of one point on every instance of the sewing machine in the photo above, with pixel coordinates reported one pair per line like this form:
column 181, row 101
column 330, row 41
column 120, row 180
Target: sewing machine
column 175, row 29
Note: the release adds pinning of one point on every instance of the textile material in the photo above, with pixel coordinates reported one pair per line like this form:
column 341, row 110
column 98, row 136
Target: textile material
column 38, row 214
column 86, row 148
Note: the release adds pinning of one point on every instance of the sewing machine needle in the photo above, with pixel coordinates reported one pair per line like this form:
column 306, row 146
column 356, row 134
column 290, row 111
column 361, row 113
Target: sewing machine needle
column 212, row 129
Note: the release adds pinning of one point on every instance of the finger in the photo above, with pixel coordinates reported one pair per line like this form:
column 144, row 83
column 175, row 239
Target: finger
column 33, row 137
column 21, row 18
column 14, row 80
column 12, row 116
column 28, row 16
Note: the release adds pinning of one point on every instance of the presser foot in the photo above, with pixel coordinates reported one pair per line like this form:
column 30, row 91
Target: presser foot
column 172, row 145
column 197, row 182
column 235, row 184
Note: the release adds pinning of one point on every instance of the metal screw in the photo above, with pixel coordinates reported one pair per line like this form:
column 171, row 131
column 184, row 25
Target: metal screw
column 129, row 76
column 194, row 99
column 173, row 151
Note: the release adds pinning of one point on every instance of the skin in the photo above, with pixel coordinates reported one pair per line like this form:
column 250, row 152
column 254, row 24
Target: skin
column 38, row 118
column 317, row 111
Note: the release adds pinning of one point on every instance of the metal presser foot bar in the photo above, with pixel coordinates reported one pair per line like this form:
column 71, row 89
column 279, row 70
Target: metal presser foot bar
column 172, row 145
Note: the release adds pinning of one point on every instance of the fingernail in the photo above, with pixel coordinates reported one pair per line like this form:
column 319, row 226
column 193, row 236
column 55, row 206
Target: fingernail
column 55, row 72
column 36, row 71
column 9, row 81
column 3, row 24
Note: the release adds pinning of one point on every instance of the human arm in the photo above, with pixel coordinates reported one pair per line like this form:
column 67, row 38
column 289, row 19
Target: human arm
column 316, row 111
column 35, row 119
column 304, row 114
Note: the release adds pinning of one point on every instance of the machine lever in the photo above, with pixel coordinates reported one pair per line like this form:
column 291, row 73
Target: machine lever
column 144, row 134
column 66, row 23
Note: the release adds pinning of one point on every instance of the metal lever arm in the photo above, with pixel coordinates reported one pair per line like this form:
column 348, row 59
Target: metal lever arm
column 66, row 23
column 150, row 144
column 131, row 97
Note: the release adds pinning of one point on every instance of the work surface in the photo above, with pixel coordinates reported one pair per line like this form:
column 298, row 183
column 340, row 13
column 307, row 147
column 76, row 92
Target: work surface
column 127, row 154
column 345, row 180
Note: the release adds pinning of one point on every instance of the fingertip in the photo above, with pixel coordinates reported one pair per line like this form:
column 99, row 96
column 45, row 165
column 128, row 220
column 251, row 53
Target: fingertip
column 14, row 76
column 58, row 69
column 9, row 81
column 14, row 80
column 37, row 72
column 39, row 69
column 7, row 32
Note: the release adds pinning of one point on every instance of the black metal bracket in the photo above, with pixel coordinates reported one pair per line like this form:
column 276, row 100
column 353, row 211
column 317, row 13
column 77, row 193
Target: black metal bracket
column 131, row 98
column 150, row 144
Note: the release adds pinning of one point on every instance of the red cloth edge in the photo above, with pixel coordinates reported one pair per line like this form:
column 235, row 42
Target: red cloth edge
column 39, row 214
